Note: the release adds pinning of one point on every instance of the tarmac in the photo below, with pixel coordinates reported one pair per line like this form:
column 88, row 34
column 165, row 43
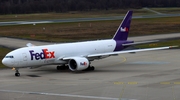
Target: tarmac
column 152, row 75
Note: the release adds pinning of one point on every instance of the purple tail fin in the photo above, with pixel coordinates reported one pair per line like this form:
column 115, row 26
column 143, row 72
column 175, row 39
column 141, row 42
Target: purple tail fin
column 123, row 30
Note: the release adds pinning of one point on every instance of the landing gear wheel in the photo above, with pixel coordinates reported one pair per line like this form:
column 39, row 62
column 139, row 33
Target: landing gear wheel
column 58, row 67
column 62, row 67
column 17, row 74
column 92, row 68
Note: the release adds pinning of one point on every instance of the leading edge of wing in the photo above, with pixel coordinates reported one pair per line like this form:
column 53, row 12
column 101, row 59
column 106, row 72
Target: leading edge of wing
column 130, row 51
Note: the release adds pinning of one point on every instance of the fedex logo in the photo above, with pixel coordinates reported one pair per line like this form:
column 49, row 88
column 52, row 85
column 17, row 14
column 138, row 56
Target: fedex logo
column 83, row 63
column 125, row 29
column 45, row 54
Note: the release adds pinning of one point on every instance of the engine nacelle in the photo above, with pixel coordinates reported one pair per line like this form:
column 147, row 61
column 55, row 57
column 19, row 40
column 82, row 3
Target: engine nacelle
column 78, row 63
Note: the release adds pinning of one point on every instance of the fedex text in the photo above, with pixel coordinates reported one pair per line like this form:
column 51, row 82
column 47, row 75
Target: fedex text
column 45, row 54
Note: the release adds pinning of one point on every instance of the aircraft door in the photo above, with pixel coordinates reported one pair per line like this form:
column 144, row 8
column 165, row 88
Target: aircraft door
column 24, row 58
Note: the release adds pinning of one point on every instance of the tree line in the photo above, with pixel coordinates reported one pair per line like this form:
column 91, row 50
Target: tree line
column 42, row 6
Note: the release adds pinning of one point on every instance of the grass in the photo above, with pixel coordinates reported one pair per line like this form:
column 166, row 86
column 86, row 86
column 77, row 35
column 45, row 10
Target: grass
column 68, row 32
column 155, row 26
column 170, row 10
column 161, row 44
column 3, row 52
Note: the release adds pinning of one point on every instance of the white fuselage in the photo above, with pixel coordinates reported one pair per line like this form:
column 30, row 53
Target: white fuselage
column 52, row 54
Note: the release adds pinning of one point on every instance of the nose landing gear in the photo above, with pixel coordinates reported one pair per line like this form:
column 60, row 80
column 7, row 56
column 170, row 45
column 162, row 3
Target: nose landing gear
column 17, row 74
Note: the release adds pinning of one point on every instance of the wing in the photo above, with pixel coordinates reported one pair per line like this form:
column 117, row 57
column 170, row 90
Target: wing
column 104, row 55
column 129, row 51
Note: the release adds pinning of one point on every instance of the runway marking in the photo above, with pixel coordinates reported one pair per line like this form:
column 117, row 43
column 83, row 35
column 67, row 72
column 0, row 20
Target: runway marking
column 129, row 83
column 173, row 92
column 165, row 83
column 122, row 93
column 177, row 83
column 118, row 83
column 64, row 95
column 124, row 60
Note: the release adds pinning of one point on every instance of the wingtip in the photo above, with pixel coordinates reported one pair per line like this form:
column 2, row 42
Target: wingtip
column 173, row 46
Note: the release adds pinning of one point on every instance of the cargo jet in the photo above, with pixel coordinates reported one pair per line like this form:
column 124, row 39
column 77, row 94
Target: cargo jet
column 74, row 56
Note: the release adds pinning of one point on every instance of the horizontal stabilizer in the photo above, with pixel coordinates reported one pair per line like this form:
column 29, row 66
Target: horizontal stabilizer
column 136, row 43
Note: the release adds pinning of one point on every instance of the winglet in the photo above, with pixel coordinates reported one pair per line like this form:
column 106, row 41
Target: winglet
column 123, row 30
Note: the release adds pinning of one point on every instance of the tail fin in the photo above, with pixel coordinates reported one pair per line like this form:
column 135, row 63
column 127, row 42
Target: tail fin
column 123, row 30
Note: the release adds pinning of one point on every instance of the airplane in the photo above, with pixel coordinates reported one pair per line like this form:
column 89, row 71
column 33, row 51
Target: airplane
column 75, row 56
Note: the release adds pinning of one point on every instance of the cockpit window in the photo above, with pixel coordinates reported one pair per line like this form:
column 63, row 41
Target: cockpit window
column 9, row 57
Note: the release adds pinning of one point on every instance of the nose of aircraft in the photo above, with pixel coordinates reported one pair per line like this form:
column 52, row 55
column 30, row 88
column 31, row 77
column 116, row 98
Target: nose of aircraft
column 5, row 62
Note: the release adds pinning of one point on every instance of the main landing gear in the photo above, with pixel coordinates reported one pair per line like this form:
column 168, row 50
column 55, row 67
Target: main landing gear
column 62, row 67
column 90, row 68
column 65, row 67
column 17, row 74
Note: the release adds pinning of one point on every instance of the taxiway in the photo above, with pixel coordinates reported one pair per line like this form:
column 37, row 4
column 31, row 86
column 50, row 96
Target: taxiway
column 150, row 75
column 143, row 76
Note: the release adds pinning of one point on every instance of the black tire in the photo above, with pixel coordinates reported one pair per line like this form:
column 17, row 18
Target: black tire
column 58, row 67
column 92, row 68
column 17, row 74
column 62, row 67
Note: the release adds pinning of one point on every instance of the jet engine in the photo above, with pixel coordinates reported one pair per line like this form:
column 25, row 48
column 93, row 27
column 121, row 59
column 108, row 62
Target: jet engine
column 78, row 63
